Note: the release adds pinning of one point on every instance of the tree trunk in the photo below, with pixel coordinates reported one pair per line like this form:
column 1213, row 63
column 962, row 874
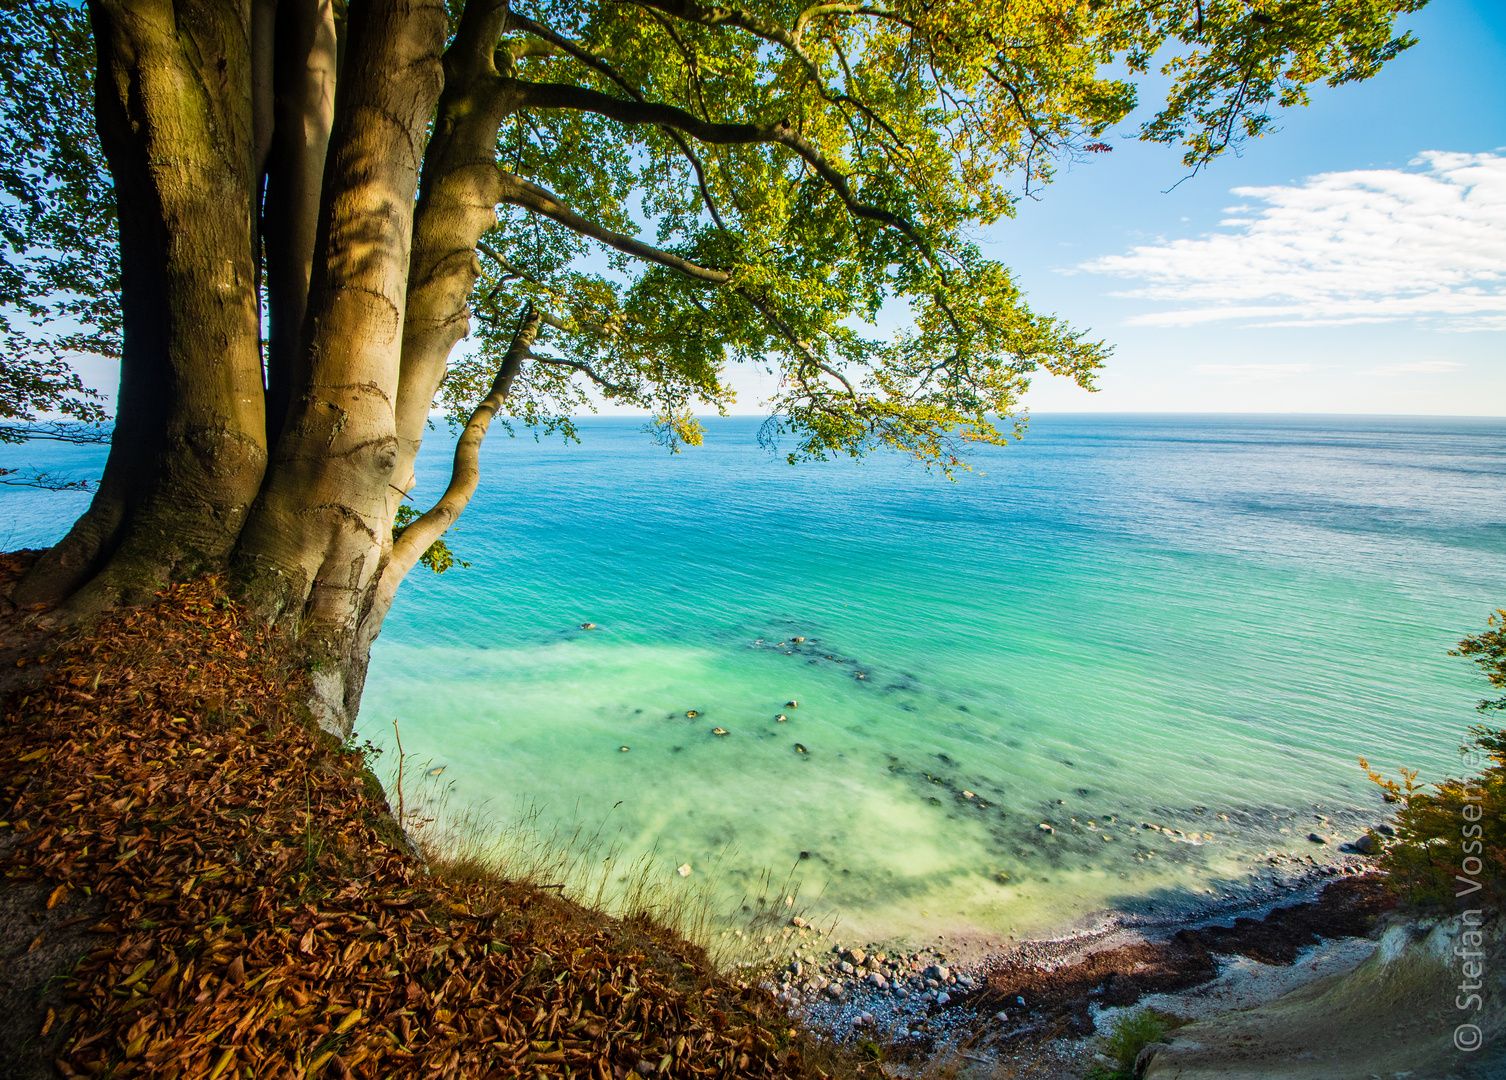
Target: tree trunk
column 303, row 112
column 320, row 531
column 189, row 450
column 237, row 166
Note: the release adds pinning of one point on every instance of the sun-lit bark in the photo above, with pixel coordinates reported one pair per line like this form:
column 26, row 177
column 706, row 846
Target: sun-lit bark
column 318, row 535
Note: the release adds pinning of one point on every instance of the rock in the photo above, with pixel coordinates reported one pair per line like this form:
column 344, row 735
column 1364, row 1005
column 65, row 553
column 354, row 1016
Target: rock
column 1385, row 830
column 622, row 749
column 781, row 718
column 1365, row 845
column 797, row 640
column 938, row 972
column 799, row 922
column 943, row 997
column 800, row 749
column 1315, row 838
column 684, row 871
column 692, row 713
column 719, row 731
column 847, row 969
column 1001, row 1017
column 834, row 991
column 796, row 968
column 1146, row 1054
column 1021, row 1001
column 857, row 956
column 791, row 704
column 588, row 626
column 1046, row 828
column 436, row 771
column 878, row 980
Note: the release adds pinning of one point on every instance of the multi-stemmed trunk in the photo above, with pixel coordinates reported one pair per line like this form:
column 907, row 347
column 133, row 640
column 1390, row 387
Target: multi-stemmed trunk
column 240, row 173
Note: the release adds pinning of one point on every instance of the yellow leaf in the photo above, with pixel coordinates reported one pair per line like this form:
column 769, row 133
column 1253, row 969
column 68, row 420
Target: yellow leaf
column 351, row 1018
column 140, row 970
column 136, row 1045
column 57, row 897
column 225, row 1059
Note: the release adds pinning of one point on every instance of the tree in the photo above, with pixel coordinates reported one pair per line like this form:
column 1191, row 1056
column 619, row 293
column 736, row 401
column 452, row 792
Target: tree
column 623, row 196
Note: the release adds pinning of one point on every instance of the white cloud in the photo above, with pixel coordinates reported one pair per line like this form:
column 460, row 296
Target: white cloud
column 1252, row 372
column 1420, row 367
column 1426, row 246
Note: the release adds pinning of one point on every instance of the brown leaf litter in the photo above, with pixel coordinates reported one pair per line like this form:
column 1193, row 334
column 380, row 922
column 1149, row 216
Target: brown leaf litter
column 240, row 903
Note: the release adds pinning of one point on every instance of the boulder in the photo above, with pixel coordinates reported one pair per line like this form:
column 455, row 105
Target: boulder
column 1365, row 845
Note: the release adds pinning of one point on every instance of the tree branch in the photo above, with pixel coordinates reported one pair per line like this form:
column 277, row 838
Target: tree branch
column 604, row 69
column 564, row 96
column 587, row 370
column 55, row 431
column 529, row 196
column 465, row 474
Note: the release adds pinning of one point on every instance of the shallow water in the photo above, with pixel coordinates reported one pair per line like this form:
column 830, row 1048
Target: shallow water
column 1148, row 618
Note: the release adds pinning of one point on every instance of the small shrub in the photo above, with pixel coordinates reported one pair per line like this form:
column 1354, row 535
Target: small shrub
column 1440, row 826
column 1130, row 1034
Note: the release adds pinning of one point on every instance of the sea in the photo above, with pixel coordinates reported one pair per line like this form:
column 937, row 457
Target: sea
column 929, row 706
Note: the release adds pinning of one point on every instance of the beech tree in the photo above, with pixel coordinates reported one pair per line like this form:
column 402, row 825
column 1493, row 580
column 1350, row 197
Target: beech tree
column 312, row 202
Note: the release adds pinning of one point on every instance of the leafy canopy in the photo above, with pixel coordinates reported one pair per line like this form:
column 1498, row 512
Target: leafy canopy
column 808, row 174
column 692, row 185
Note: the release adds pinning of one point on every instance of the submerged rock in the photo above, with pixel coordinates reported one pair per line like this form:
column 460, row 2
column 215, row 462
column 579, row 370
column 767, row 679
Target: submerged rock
column 1365, row 845
column 588, row 626
column 1315, row 838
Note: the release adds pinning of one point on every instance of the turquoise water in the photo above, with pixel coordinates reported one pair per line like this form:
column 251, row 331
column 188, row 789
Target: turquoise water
column 1146, row 618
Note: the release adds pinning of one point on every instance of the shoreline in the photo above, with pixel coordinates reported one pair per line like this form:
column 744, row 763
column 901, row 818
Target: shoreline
column 1045, row 989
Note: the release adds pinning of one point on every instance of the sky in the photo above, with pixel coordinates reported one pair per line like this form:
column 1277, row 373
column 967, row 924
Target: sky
column 1352, row 262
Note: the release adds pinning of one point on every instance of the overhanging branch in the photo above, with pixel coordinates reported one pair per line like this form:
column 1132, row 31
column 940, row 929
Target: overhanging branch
column 519, row 192
column 465, row 474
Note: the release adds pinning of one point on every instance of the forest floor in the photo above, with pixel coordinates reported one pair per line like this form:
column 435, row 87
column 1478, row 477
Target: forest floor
column 199, row 883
